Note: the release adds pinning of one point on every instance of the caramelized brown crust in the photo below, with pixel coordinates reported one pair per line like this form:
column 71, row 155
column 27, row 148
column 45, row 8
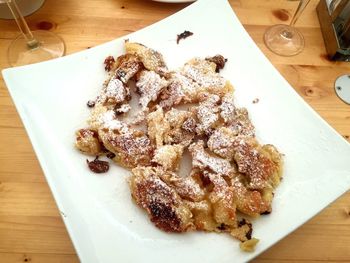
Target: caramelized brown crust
column 131, row 147
column 249, row 202
column 126, row 67
column 164, row 206
column 87, row 142
column 189, row 188
column 151, row 59
column 256, row 163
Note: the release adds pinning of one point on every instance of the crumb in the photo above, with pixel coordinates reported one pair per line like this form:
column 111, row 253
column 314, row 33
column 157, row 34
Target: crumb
column 183, row 35
column 255, row 101
column 249, row 245
column 90, row 103
column 63, row 214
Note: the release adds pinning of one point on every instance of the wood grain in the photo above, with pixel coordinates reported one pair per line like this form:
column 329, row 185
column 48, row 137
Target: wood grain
column 31, row 228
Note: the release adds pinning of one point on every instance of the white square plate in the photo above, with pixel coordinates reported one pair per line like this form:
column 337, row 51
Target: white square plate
column 104, row 224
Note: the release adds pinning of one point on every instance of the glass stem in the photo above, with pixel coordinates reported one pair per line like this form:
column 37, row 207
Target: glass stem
column 22, row 24
column 300, row 9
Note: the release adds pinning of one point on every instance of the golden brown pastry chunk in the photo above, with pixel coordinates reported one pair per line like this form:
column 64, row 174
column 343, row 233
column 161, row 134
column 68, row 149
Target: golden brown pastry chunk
column 182, row 127
column 249, row 245
column 168, row 156
column 203, row 215
column 98, row 114
column 131, row 147
column 164, row 206
column 196, row 77
column 249, row 202
column 173, row 127
column 151, row 59
column 244, row 230
column 222, row 201
column 180, row 90
column 149, row 85
column 157, row 126
column 227, row 108
column 87, row 142
column 221, row 141
column 207, row 113
column 204, row 160
column 114, row 93
column 126, row 67
column 189, row 188
column 203, row 73
column 262, row 165
column 241, row 124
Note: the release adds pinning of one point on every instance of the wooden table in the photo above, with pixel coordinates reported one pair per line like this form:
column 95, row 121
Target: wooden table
column 31, row 228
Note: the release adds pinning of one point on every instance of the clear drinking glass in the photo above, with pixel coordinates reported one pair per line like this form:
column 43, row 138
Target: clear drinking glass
column 286, row 40
column 32, row 46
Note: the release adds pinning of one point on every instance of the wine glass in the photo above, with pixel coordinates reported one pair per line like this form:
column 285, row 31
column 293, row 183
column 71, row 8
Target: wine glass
column 31, row 47
column 286, row 40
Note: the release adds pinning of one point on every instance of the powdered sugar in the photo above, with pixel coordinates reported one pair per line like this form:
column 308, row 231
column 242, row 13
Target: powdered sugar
column 202, row 160
column 149, row 85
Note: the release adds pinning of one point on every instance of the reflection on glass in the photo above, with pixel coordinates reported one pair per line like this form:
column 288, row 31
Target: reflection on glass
column 31, row 47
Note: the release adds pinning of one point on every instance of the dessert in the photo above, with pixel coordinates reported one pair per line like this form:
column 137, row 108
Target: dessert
column 233, row 176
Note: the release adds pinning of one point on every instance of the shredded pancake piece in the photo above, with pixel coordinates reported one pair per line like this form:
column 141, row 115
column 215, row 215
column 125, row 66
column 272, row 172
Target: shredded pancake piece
column 127, row 66
column 164, row 206
column 202, row 160
column 87, row 142
column 256, row 163
column 168, row 156
column 151, row 59
column 131, row 147
column 149, row 85
column 207, row 113
column 115, row 93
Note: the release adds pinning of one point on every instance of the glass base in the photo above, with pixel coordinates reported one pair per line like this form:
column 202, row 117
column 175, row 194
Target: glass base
column 50, row 46
column 284, row 40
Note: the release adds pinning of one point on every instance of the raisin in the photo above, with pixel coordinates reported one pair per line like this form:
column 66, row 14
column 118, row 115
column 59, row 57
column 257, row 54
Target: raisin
column 109, row 61
column 219, row 62
column 242, row 222
column 183, row 35
column 98, row 166
column 222, row 227
column 265, row 213
column 90, row 103
column 110, row 155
